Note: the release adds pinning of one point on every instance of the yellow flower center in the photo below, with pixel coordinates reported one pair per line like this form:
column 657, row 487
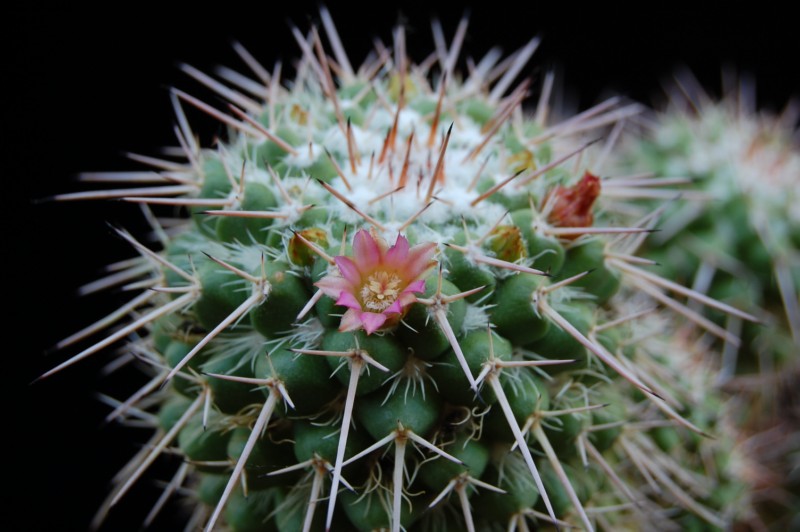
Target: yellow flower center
column 380, row 290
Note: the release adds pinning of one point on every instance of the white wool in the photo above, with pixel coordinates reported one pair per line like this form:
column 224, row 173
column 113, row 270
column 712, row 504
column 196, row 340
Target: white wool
column 305, row 157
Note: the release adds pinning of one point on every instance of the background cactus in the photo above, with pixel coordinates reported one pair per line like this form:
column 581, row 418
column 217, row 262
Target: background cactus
column 738, row 241
column 576, row 176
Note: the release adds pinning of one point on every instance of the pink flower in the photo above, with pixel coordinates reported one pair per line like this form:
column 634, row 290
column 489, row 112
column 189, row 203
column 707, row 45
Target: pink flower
column 377, row 284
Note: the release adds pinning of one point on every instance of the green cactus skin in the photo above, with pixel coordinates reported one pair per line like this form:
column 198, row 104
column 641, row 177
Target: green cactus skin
column 512, row 389
column 739, row 242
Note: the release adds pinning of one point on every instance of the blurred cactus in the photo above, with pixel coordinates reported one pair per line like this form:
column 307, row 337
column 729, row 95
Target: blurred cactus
column 737, row 239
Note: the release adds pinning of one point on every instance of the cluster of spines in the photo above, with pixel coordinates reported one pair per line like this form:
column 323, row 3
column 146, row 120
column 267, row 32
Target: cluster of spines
column 264, row 279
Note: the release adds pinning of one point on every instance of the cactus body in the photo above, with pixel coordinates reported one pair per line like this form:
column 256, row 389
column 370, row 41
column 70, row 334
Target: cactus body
column 397, row 301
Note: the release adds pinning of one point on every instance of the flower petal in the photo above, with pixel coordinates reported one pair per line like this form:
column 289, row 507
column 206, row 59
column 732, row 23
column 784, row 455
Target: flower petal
column 372, row 321
column 402, row 301
column 349, row 269
column 419, row 260
column 346, row 299
column 366, row 252
column 333, row 285
column 394, row 308
column 417, row 286
column 397, row 255
column 406, row 298
column 351, row 321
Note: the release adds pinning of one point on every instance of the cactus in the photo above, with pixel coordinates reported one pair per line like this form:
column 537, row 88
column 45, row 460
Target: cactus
column 394, row 300
column 738, row 240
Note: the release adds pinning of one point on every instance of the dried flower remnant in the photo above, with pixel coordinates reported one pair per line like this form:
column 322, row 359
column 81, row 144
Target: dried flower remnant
column 572, row 207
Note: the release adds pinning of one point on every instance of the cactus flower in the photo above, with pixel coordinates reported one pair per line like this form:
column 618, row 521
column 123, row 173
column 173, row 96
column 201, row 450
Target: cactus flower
column 378, row 283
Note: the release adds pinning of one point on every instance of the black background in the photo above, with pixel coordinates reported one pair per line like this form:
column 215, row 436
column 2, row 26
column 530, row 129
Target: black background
column 88, row 85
